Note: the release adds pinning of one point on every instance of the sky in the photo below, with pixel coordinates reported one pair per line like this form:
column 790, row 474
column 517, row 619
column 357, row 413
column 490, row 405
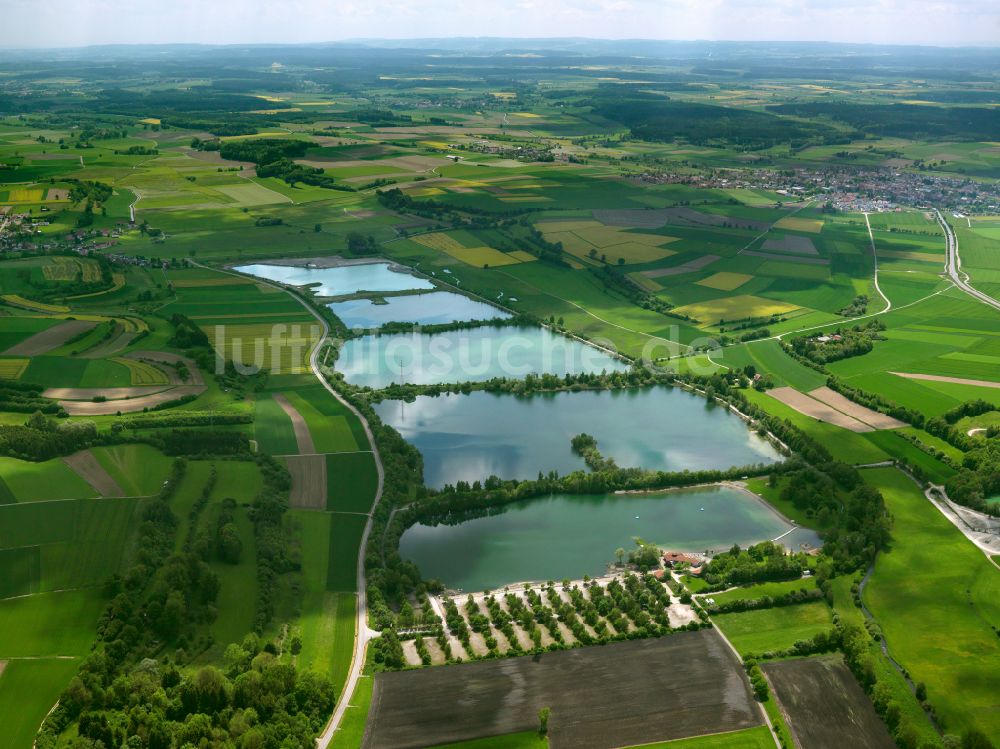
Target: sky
column 72, row 23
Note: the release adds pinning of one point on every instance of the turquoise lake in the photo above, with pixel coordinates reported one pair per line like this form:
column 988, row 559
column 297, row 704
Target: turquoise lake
column 344, row 279
column 472, row 355
column 470, row 437
column 435, row 308
column 569, row 536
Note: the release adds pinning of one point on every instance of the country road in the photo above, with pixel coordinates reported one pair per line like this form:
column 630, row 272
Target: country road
column 953, row 265
column 362, row 634
column 871, row 238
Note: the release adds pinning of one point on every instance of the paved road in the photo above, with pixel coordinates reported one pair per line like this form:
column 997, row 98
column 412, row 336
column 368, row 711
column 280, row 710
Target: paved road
column 362, row 634
column 953, row 266
column 871, row 238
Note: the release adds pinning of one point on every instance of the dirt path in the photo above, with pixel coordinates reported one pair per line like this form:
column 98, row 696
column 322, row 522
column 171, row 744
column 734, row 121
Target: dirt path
column 86, row 467
column 47, row 340
column 308, row 481
column 943, row 378
column 302, row 436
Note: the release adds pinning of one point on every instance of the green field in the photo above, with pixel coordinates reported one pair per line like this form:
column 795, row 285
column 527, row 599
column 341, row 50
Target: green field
column 352, row 727
column 272, row 428
column 35, row 626
column 938, row 624
column 351, row 482
column 28, row 690
column 61, row 545
column 138, row 469
column 769, row 630
column 45, row 481
column 768, row 357
column 331, row 433
column 237, row 582
column 345, row 538
column 753, row 592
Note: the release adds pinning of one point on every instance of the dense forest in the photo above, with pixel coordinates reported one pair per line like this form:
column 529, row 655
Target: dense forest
column 657, row 118
column 904, row 120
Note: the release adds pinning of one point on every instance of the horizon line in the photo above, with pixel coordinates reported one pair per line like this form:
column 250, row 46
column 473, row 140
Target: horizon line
column 514, row 39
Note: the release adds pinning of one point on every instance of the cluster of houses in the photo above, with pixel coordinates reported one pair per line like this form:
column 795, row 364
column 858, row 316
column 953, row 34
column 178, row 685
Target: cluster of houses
column 870, row 190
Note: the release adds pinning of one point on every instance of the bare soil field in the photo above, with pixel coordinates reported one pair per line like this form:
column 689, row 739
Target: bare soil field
column 111, row 347
column 635, row 218
column 792, row 243
column 47, row 340
column 689, row 216
column 817, row 410
column 824, row 705
column 623, row 694
column 86, row 394
column 943, row 378
column 859, row 412
column 922, row 257
column 689, row 267
column 85, row 408
column 86, row 467
column 302, row 436
column 788, row 258
column 308, row 481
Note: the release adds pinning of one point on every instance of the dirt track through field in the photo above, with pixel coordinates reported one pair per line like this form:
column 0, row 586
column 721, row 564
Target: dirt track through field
column 856, row 410
column 86, row 467
column 302, row 436
column 943, row 378
column 308, row 481
column 47, row 340
column 817, row 410
column 623, row 694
